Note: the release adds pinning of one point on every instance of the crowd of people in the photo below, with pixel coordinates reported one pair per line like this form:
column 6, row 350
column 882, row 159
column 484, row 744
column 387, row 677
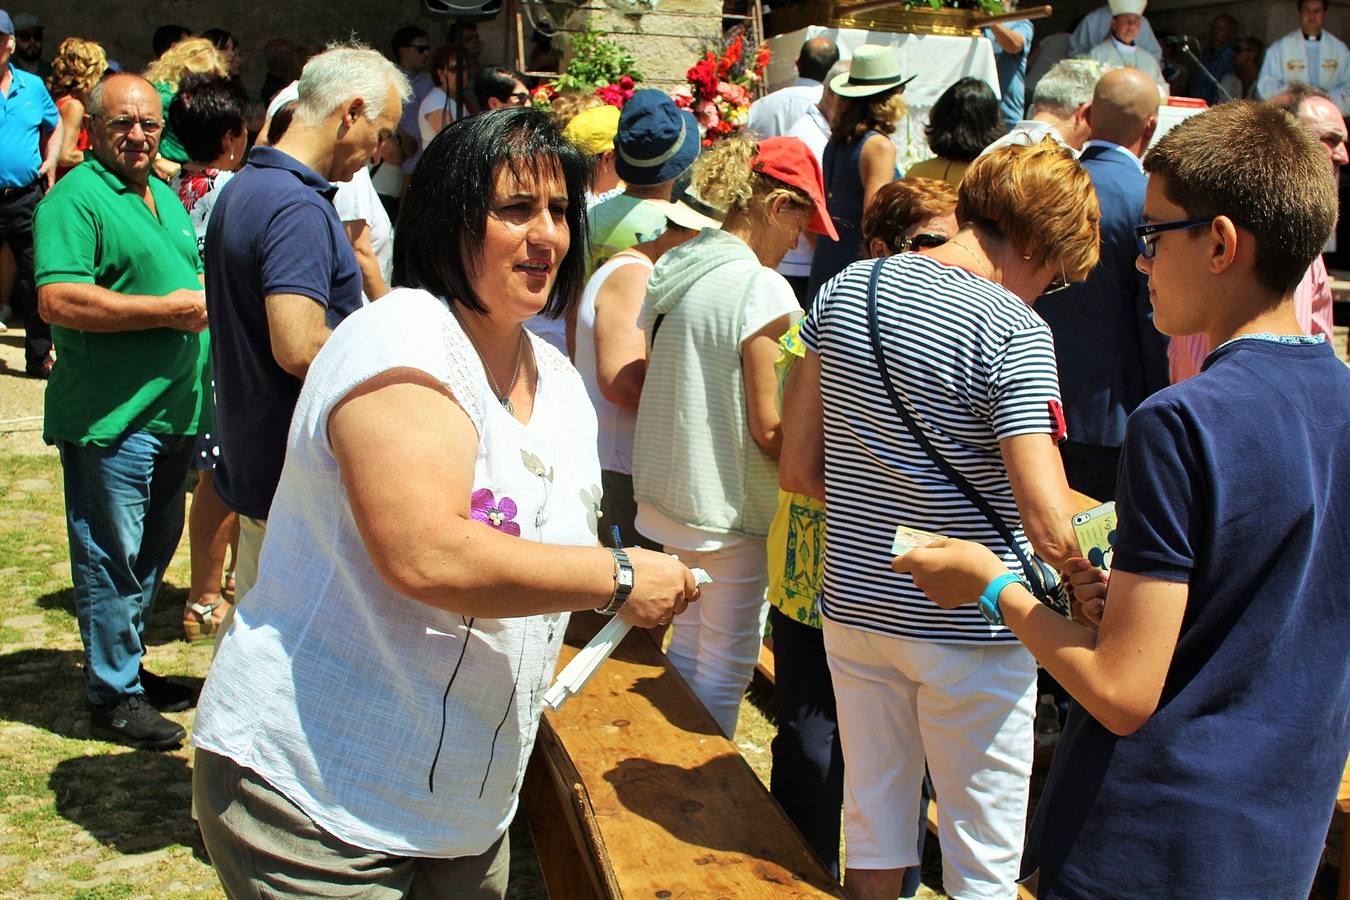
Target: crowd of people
column 445, row 368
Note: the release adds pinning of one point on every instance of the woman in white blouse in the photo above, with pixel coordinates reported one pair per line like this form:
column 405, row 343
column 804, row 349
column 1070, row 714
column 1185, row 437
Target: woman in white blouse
column 371, row 710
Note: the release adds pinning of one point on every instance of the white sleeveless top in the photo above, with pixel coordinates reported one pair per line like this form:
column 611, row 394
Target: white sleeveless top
column 396, row 726
column 616, row 423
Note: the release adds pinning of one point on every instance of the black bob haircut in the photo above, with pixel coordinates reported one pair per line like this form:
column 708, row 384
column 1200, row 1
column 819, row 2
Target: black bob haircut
column 964, row 120
column 204, row 111
column 496, row 83
column 443, row 219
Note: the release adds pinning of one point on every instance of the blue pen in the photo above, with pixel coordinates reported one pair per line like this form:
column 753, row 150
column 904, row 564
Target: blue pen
column 615, row 538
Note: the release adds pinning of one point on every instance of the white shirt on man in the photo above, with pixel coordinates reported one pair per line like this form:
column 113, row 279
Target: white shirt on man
column 773, row 115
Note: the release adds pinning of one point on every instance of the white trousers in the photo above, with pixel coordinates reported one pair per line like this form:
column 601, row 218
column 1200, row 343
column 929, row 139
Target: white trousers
column 714, row 644
column 968, row 710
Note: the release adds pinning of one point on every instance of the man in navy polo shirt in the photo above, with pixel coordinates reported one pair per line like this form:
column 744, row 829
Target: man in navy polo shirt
column 25, row 173
column 281, row 274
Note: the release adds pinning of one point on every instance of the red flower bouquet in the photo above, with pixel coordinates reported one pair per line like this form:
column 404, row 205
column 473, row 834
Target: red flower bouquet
column 721, row 88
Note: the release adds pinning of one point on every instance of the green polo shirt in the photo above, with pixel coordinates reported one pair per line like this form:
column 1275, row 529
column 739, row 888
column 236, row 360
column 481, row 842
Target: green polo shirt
column 92, row 229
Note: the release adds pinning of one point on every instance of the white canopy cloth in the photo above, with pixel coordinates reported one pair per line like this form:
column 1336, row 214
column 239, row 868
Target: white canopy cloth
column 938, row 61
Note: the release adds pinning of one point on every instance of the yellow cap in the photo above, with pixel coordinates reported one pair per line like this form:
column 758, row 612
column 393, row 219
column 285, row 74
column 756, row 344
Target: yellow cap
column 593, row 130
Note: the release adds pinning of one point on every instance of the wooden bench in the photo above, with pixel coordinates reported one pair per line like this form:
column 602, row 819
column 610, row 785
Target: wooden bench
column 633, row 792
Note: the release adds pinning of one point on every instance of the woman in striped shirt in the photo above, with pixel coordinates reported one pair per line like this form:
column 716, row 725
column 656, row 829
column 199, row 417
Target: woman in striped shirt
column 974, row 368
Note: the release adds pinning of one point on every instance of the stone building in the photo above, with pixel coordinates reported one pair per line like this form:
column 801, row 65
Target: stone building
column 666, row 39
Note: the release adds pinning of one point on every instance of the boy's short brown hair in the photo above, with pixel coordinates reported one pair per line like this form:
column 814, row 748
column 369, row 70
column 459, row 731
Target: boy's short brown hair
column 1259, row 167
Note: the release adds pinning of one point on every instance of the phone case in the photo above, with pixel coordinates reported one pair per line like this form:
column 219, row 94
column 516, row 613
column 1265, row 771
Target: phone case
column 1096, row 532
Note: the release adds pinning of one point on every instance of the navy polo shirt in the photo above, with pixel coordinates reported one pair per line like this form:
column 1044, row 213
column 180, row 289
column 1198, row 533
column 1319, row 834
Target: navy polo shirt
column 1235, row 483
column 27, row 111
column 273, row 231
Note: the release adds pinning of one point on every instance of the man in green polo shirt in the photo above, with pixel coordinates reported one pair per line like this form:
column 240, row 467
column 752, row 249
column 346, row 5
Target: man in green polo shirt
column 119, row 279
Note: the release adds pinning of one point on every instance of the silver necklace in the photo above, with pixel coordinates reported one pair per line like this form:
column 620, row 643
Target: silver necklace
column 971, row 253
column 503, row 397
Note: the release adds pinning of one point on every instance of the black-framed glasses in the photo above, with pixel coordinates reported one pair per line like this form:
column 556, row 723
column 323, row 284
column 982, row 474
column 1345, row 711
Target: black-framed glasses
column 421, row 48
column 519, row 98
column 922, row 241
column 28, row 35
column 122, row 124
column 1147, row 235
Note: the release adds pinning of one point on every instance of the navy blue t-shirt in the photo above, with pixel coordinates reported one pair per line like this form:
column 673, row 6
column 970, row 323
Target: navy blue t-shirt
column 273, row 231
column 1235, row 482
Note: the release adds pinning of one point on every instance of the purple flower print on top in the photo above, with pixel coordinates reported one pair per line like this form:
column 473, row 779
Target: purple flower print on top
column 487, row 509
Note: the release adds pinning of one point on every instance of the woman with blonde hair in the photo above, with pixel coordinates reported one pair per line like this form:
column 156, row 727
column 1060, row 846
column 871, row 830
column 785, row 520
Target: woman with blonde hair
column 708, row 432
column 190, row 56
column 929, row 399
column 860, row 157
column 76, row 68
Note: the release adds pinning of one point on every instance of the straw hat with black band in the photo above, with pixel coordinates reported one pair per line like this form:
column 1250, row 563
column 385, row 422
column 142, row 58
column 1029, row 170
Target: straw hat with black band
column 875, row 70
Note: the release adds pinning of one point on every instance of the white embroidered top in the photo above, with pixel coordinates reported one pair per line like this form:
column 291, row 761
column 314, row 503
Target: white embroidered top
column 396, row 726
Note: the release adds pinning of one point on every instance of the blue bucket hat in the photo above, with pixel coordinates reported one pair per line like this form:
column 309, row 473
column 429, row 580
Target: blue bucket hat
column 656, row 141
column 6, row 23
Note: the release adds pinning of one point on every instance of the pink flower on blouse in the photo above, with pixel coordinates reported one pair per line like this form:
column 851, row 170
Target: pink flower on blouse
column 484, row 507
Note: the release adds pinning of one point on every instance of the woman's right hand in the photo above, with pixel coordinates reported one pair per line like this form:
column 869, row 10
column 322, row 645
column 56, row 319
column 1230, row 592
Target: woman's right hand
column 662, row 588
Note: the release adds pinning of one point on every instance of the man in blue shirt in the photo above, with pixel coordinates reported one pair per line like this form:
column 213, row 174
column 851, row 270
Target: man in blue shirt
column 1110, row 356
column 1207, row 741
column 27, row 170
column 281, row 274
column 1012, row 46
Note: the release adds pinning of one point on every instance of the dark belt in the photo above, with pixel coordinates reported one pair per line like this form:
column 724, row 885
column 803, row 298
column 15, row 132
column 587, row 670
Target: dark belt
column 9, row 193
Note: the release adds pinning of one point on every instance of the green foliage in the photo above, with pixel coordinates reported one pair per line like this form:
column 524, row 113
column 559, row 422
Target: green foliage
column 596, row 61
column 992, row 7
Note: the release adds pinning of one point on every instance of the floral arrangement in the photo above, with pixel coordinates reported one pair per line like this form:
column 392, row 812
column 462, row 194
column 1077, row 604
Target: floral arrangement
column 598, row 66
column 720, row 88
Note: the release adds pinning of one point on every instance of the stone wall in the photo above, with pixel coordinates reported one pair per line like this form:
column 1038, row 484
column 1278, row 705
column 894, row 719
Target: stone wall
column 666, row 41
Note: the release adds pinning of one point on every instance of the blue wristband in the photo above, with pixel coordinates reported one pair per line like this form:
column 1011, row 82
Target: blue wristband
column 988, row 601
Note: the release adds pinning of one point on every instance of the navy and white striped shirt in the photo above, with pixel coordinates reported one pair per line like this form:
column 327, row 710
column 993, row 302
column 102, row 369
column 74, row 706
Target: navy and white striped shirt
column 975, row 365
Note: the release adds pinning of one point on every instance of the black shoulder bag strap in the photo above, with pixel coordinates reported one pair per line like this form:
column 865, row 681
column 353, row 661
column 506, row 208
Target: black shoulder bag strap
column 1033, row 572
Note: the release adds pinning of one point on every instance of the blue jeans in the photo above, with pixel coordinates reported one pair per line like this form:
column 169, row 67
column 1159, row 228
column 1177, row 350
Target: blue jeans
column 124, row 517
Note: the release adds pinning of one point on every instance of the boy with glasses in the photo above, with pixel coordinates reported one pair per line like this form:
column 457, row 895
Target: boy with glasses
column 1202, row 755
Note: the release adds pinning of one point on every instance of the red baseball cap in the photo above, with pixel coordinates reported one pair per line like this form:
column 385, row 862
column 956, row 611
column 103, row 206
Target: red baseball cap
column 789, row 160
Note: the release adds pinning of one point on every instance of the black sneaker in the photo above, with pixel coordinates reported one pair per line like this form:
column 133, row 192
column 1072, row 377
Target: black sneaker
column 132, row 720
column 165, row 695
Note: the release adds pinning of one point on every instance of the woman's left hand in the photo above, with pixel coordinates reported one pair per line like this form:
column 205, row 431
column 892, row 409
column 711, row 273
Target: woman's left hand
column 951, row 573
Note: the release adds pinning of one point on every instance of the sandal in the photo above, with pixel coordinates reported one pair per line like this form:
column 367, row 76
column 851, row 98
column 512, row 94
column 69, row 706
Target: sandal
column 200, row 622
